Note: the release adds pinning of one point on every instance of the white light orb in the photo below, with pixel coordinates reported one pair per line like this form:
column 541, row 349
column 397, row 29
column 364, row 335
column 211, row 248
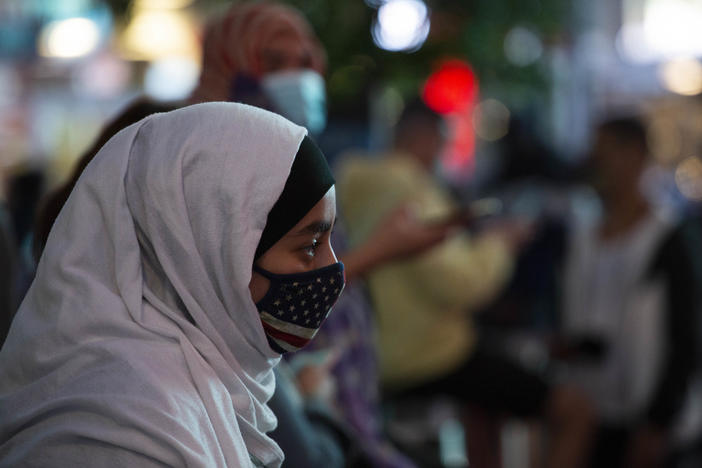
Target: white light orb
column 522, row 46
column 171, row 79
column 402, row 25
column 69, row 38
column 682, row 76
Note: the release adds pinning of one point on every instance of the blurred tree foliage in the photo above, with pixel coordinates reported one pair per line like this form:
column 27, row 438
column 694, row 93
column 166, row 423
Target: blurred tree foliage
column 473, row 30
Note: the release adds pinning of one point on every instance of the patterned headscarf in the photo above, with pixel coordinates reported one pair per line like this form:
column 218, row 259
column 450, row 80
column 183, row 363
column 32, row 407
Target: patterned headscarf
column 234, row 43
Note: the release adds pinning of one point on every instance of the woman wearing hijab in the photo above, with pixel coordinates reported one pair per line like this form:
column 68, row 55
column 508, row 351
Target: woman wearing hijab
column 192, row 252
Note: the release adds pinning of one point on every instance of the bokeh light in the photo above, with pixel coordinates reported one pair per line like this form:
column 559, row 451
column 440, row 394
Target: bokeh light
column 682, row 76
column 401, row 25
column 69, row 38
column 162, row 4
column 103, row 76
column 688, row 178
column 491, row 120
column 171, row 79
column 522, row 46
column 154, row 34
column 662, row 29
column 665, row 140
column 452, row 88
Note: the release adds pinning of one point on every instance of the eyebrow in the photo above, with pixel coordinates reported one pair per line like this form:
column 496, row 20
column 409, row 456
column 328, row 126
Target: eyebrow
column 315, row 227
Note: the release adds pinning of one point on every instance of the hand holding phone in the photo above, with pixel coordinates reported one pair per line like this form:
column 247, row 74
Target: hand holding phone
column 471, row 215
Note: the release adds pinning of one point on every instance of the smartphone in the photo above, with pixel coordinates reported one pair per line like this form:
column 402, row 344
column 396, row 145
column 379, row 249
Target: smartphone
column 472, row 214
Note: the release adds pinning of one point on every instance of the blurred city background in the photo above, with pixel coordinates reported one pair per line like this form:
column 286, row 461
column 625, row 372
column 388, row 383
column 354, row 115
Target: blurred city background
column 544, row 68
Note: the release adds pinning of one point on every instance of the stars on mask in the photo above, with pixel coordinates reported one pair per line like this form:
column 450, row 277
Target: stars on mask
column 302, row 303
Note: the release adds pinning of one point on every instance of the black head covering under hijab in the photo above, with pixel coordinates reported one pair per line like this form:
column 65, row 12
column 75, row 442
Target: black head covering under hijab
column 310, row 178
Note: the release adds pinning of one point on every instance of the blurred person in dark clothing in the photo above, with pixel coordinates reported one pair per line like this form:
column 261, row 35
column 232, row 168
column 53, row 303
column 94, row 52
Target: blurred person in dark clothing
column 630, row 299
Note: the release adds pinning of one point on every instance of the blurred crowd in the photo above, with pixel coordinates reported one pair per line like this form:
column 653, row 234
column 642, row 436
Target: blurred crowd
column 550, row 318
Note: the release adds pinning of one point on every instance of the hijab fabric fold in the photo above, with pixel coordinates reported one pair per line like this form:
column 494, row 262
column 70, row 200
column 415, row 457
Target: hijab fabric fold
column 138, row 342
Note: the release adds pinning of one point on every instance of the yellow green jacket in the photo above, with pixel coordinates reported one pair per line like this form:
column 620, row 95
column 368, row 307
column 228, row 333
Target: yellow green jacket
column 422, row 304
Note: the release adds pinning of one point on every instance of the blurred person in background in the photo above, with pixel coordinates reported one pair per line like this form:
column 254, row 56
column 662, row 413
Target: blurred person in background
column 428, row 345
column 631, row 297
column 265, row 54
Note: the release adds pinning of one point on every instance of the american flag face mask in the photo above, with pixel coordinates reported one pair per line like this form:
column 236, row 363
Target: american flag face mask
column 296, row 304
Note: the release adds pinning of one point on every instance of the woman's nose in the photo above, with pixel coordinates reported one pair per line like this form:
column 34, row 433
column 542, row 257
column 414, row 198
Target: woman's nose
column 327, row 258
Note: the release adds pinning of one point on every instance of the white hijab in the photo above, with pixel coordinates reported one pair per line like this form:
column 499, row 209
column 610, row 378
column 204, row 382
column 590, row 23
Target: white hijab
column 104, row 365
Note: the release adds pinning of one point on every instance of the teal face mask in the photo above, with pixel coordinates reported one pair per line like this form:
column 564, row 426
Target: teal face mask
column 298, row 95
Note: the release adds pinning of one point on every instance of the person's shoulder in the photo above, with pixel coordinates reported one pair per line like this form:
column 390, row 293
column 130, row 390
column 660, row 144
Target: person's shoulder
column 371, row 168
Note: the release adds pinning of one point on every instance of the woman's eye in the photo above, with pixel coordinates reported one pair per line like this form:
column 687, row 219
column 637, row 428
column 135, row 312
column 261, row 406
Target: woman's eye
column 312, row 249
